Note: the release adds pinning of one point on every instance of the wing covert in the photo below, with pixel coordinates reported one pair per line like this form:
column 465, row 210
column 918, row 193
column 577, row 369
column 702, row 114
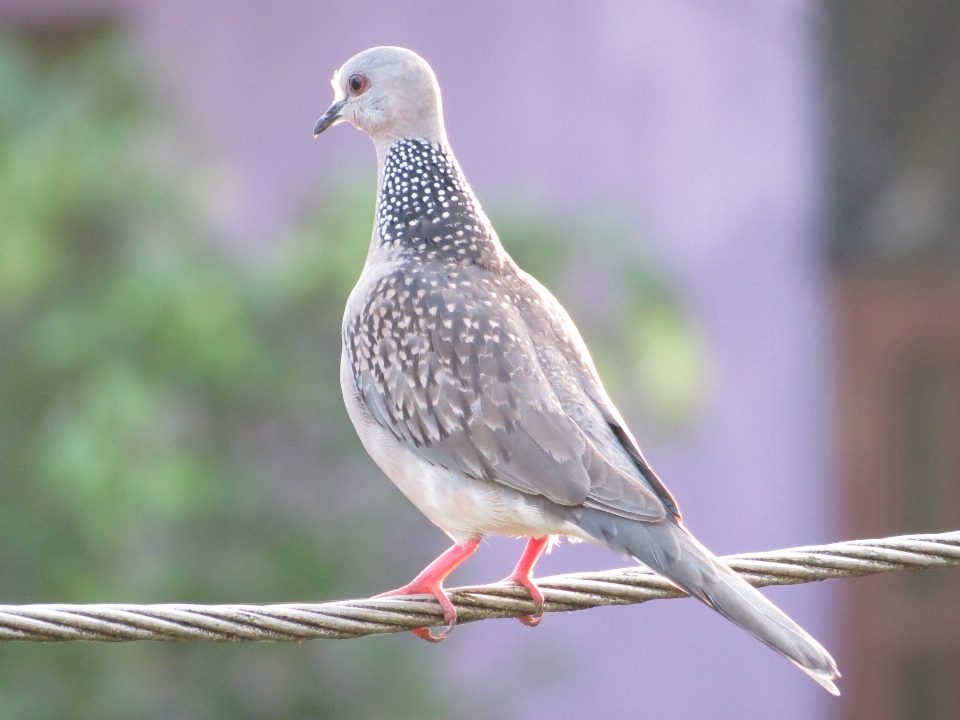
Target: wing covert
column 443, row 361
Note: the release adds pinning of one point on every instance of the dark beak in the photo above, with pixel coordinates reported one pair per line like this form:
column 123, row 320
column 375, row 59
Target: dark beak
column 330, row 118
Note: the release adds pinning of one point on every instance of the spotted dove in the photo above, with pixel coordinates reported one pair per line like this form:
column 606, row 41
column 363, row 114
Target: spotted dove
column 472, row 389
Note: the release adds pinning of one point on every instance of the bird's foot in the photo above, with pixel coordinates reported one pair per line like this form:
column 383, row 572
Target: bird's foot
column 535, row 595
column 430, row 582
column 428, row 587
column 521, row 576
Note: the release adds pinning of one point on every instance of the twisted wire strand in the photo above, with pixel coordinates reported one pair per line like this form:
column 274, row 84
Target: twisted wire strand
column 355, row 618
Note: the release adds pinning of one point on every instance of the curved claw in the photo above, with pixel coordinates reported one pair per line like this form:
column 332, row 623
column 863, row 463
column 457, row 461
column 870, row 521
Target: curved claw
column 424, row 633
column 449, row 615
column 521, row 576
column 449, row 611
column 535, row 596
column 430, row 582
column 531, row 620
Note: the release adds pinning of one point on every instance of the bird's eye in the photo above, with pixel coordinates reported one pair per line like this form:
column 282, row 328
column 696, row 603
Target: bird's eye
column 358, row 83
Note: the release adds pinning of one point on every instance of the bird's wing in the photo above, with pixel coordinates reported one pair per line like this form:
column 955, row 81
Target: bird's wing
column 443, row 361
column 576, row 382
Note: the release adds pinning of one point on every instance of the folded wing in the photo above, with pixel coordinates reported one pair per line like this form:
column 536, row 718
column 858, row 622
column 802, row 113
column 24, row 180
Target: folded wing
column 444, row 362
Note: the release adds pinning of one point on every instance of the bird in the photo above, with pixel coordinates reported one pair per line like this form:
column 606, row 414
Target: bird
column 472, row 389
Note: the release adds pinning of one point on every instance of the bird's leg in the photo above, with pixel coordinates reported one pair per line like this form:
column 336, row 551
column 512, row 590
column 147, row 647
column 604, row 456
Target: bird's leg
column 521, row 576
column 430, row 582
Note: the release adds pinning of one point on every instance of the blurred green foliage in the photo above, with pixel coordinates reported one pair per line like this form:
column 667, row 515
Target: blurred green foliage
column 170, row 422
column 171, row 427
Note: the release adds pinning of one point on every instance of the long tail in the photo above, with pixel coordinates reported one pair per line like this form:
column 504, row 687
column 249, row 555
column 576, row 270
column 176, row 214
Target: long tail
column 668, row 549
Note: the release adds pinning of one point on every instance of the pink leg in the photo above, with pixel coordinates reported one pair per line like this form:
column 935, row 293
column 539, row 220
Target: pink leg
column 521, row 576
column 430, row 582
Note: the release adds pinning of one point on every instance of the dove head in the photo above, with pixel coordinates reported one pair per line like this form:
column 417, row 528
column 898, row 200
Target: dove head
column 390, row 93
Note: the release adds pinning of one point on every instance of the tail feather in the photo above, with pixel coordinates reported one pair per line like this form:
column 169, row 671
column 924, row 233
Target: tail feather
column 668, row 549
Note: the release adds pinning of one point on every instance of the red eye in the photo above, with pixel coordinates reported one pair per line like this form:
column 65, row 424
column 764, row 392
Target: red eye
column 358, row 83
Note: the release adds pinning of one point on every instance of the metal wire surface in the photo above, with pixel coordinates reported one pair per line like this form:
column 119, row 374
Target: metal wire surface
column 354, row 618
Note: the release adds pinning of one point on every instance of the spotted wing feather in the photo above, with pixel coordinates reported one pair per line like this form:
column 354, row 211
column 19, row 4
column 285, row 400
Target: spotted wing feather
column 575, row 380
column 443, row 361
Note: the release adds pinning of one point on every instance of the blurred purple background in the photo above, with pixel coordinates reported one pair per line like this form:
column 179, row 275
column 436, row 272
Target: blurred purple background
column 701, row 122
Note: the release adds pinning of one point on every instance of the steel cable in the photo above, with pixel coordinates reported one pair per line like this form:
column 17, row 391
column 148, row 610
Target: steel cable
column 354, row 618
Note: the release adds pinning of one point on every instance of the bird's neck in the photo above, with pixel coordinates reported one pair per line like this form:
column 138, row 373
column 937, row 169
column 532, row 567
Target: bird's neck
column 426, row 209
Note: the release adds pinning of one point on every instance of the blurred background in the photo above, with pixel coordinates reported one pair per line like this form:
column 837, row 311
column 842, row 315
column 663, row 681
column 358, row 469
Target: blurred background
column 749, row 207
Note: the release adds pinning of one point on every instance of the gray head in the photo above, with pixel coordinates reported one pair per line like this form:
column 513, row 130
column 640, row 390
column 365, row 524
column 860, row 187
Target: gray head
column 389, row 93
